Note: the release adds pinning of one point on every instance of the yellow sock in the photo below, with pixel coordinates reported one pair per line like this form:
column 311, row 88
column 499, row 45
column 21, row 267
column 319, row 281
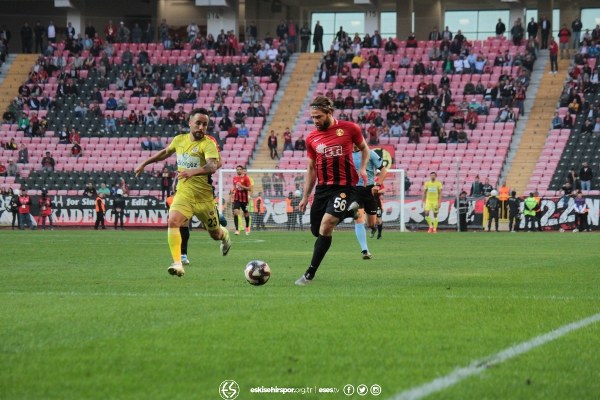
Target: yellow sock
column 428, row 219
column 435, row 223
column 175, row 244
column 225, row 233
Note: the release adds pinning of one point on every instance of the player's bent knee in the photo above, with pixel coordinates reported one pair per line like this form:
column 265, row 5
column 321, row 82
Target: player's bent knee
column 314, row 230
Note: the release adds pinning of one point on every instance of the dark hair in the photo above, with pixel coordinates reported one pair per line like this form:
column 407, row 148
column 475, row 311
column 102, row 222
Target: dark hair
column 513, row 193
column 323, row 103
column 200, row 110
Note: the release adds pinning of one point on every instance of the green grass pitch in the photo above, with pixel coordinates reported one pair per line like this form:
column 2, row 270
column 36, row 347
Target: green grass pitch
column 94, row 315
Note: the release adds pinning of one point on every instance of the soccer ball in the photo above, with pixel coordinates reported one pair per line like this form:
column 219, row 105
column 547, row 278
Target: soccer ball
column 257, row 272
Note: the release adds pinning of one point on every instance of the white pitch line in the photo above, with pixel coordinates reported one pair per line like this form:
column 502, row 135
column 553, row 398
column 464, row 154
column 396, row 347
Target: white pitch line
column 478, row 366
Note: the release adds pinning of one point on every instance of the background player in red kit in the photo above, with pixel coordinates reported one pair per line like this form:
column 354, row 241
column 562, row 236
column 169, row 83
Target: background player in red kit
column 330, row 166
column 241, row 187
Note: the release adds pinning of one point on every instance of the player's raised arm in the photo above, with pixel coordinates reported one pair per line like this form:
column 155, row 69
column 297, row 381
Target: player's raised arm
column 160, row 156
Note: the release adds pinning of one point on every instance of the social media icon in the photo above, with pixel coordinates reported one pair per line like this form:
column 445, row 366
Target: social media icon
column 348, row 390
column 229, row 390
column 375, row 390
column 362, row 390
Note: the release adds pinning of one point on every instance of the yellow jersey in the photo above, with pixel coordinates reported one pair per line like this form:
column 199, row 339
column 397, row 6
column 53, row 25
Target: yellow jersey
column 433, row 191
column 192, row 154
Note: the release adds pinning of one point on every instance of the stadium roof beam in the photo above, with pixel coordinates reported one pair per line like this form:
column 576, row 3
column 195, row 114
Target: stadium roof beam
column 212, row 3
column 63, row 4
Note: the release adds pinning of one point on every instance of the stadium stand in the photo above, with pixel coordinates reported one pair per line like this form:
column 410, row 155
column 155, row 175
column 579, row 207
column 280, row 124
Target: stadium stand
column 108, row 153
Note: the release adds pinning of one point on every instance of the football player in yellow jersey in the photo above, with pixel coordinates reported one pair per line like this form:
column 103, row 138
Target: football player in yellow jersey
column 197, row 158
column 432, row 199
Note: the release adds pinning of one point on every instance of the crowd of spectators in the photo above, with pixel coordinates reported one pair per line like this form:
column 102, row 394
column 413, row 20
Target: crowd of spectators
column 434, row 104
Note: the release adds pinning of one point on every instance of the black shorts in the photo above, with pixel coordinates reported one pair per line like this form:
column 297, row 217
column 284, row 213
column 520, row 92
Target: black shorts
column 240, row 204
column 333, row 200
column 366, row 200
column 379, row 207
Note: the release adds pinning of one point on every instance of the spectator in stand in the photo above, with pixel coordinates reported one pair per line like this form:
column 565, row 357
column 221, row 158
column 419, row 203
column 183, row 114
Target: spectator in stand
column 48, row 163
column 74, row 136
column 597, row 126
column 157, row 144
column 517, row 32
column 300, row 144
column 111, row 102
column 472, row 118
column 568, row 121
column 500, row 28
column 557, row 121
column 553, row 47
column 104, row 189
column 243, row 131
column 462, row 136
column 272, row 143
column 287, row 140
column 411, row 41
column 390, row 46
column 3, row 170
column 123, row 186
column 564, row 37
column 586, row 175
column 146, row 143
column 90, row 191
column 11, row 145
column 23, row 154
column 76, row 150
column 532, row 29
column 505, row 115
column 12, row 169
column 110, row 124
column 152, row 118
column 63, row 136
column 576, row 27
column 588, row 127
column 546, row 28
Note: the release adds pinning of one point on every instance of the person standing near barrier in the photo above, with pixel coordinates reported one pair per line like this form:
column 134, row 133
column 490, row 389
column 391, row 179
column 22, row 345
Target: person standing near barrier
column 581, row 213
column 493, row 206
column 119, row 208
column 100, row 207
column 514, row 206
column 45, row 210
column 463, row 209
column 503, row 196
column 529, row 206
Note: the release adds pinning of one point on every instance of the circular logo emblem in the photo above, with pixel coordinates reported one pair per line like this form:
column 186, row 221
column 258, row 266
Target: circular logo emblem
column 339, row 132
column 362, row 389
column 348, row 390
column 375, row 390
column 229, row 390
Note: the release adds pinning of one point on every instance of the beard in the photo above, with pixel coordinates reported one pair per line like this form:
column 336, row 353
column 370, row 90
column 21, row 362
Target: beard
column 325, row 126
column 198, row 135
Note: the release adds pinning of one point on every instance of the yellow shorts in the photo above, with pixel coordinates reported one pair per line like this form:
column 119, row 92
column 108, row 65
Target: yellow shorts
column 205, row 211
column 431, row 206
